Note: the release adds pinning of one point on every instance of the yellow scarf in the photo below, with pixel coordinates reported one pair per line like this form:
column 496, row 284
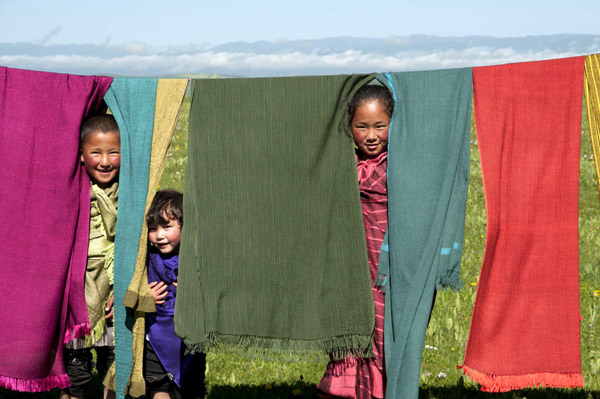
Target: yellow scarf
column 99, row 273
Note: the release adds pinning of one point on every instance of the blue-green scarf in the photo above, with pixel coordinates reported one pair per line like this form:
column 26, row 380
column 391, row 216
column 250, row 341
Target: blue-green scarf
column 428, row 174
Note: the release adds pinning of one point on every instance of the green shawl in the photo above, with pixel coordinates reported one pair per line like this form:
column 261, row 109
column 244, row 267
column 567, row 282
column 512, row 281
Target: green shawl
column 273, row 252
column 99, row 275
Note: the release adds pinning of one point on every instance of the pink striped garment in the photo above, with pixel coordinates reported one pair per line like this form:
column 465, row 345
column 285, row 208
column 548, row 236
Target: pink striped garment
column 363, row 378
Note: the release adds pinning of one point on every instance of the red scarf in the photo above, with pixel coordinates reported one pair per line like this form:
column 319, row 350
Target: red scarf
column 525, row 328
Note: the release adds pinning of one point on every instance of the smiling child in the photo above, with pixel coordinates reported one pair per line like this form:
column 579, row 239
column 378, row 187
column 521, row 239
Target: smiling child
column 167, row 372
column 100, row 151
column 370, row 113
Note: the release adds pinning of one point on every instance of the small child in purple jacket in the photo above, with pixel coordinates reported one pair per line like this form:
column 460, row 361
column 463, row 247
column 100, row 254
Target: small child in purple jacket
column 168, row 372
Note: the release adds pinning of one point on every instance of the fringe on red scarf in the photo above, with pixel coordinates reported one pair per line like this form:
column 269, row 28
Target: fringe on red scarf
column 40, row 385
column 505, row 383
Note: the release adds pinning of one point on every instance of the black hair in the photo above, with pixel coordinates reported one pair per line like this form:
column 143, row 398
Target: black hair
column 99, row 123
column 368, row 93
column 166, row 205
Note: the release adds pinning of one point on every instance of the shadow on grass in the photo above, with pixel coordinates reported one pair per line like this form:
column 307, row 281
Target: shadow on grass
column 301, row 390
column 94, row 390
column 8, row 394
column 458, row 392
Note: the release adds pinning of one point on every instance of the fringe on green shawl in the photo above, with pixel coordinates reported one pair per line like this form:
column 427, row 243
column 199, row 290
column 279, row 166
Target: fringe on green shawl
column 338, row 348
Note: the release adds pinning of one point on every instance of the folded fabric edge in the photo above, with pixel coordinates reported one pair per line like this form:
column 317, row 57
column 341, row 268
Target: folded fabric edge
column 141, row 303
column 78, row 331
column 380, row 281
column 505, row 383
column 338, row 347
column 136, row 389
column 39, row 385
column 131, row 298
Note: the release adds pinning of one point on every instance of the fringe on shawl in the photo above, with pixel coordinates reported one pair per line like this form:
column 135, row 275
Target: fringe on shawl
column 44, row 384
column 450, row 280
column 78, row 331
column 505, row 383
column 338, row 348
column 96, row 332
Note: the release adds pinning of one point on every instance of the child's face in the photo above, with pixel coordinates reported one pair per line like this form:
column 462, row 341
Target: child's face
column 166, row 238
column 370, row 126
column 101, row 154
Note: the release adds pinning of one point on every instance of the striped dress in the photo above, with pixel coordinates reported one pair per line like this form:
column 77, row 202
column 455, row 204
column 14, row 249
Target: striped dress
column 364, row 378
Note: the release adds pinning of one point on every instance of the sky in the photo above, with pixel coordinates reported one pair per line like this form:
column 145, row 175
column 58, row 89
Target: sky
column 177, row 23
column 178, row 37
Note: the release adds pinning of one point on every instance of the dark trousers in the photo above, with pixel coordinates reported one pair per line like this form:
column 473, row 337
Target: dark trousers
column 78, row 363
column 159, row 380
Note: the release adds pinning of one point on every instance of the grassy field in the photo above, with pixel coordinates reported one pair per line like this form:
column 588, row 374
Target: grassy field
column 232, row 376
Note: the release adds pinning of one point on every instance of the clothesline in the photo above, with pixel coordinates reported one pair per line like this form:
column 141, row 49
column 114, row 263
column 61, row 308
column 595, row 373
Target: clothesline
column 135, row 102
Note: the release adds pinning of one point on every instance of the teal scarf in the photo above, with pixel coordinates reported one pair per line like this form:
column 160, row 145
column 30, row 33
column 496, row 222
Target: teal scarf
column 428, row 174
column 132, row 101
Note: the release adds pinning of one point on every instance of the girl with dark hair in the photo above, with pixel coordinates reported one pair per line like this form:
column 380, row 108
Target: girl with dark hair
column 370, row 113
column 167, row 372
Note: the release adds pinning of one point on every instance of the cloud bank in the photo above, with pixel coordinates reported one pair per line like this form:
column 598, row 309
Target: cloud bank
column 336, row 56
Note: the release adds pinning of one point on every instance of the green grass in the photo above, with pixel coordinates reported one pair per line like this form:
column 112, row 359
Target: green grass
column 234, row 376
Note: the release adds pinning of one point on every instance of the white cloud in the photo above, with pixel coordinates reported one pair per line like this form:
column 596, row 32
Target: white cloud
column 293, row 63
column 134, row 47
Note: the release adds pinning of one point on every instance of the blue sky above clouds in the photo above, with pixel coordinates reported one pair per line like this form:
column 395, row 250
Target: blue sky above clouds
column 176, row 23
column 150, row 37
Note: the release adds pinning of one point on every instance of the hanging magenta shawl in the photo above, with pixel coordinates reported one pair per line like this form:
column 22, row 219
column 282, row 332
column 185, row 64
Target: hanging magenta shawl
column 365, row 377
column 44, row 218
column 525, row 328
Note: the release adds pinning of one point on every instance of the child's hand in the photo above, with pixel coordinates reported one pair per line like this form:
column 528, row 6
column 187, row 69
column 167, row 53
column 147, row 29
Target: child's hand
column 109, row 309
column 175, row 284
column 159, row 291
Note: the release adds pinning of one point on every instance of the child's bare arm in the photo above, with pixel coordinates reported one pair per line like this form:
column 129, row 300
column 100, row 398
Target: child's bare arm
column 109, row 309
column 159, row 291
